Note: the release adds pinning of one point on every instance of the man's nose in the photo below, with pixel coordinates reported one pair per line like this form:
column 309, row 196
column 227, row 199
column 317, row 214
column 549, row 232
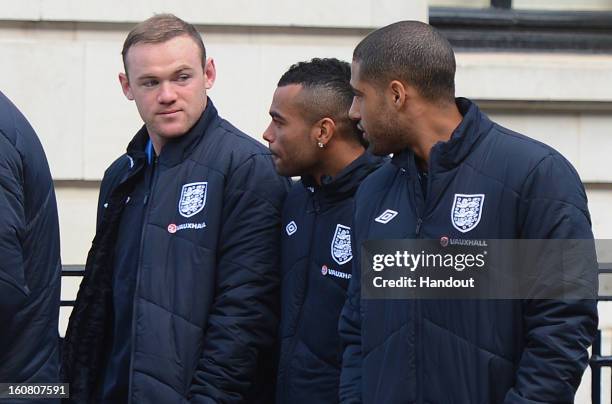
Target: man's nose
column 354, row 111
column 167, row 94
column 268, row 134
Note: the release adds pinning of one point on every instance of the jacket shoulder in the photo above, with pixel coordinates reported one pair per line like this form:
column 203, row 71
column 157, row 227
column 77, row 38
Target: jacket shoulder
column 520, row 146
column 114, row 173
column 118, row 167
column 235, row 142
column 10, row 157
column 511, row 158
column 8, row 120
column 226, row 149
column 17, row 132
column 379, row 180
column 245, row 162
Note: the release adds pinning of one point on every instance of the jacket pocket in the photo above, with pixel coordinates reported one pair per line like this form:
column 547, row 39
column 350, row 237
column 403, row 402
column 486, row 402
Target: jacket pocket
column 457, row 371
column 310, row 379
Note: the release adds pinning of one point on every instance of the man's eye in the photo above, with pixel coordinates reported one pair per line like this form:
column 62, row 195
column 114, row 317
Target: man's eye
column 184, row 77
column 149, row 83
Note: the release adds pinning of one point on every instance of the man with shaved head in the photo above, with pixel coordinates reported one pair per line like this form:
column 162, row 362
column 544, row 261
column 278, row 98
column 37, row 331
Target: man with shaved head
column 457, row 177
column 311, row 136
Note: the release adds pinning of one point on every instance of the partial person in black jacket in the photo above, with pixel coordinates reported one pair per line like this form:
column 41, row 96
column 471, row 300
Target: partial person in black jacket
column 179, row 302
column 447, row 152
column 311, row 136
column 30, row 268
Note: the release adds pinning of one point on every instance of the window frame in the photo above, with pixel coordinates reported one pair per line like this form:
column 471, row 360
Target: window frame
column 501, row 28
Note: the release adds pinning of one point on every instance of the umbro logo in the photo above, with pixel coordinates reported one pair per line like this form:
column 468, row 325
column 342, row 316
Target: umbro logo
column 386, row 216
column 291, row 228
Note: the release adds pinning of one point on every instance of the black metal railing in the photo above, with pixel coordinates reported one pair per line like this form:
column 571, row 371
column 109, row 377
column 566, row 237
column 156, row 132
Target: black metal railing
column 598, row 360
column 71, row 270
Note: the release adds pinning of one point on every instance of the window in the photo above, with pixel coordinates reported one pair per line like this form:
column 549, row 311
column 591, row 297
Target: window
column 526, row 25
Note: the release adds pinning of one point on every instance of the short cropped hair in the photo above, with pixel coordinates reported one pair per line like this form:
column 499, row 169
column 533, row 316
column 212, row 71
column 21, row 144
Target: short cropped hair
column 413, row 52
column 158, row 29
column 328, row 92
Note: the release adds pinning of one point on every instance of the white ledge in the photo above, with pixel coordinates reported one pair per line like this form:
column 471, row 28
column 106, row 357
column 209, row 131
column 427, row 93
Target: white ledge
column 314, row 13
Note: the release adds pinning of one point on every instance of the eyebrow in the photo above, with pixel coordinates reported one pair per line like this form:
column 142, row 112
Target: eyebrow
column 146, row 77
column 277, row 116
column 182, row 68
column 179, row 70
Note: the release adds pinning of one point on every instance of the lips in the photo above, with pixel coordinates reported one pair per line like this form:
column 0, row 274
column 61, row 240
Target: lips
column 363, row 132
column 166, row 113
column 274, row 156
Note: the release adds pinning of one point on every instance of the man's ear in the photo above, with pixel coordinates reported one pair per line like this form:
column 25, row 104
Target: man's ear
column 398, row 93
column 210, row 73
column 125, row 86
column 325, row 129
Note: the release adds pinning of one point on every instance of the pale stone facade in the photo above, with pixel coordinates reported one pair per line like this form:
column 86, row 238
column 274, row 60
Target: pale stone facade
column 61, row 59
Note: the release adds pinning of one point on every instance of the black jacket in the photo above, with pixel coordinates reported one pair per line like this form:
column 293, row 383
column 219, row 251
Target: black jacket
column 30, row 269
column 205, row 305
column 316, row 268
column 478, row 351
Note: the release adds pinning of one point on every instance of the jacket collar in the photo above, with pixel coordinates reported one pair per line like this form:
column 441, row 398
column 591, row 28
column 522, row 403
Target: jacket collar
column 447, row 155
column 175, row 151
column 345, row 183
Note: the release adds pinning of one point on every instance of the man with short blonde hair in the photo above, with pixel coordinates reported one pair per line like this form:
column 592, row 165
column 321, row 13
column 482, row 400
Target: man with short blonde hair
column 179, row 300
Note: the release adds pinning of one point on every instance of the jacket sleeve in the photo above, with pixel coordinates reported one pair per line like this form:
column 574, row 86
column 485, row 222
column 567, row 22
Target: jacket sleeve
column 13, row 288
column 558, row 333
column 349, row 328
column 242, row 325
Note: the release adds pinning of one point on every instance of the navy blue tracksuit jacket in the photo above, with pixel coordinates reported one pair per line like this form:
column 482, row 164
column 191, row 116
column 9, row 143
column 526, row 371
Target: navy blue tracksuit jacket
column 316, row 268
column 30, row 268
column 478, row 351
column 205, row 303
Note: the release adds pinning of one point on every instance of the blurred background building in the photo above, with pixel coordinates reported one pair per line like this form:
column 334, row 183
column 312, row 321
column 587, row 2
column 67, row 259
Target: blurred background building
column 541, row 67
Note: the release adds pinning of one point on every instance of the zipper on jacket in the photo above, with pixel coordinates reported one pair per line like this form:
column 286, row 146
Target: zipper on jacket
column 421, row 209
column 420, row 351
column 147, row 200
column 294, row 340
column 316, row 204
column 418, row 226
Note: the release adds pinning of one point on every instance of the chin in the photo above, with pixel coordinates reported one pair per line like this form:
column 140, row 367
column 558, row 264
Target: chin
column 173, row 133
column 284, row 172
column 281, row 172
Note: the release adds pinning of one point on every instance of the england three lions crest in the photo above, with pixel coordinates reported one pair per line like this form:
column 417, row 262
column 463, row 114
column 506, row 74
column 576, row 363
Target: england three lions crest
column 341, row 245
column 193, row 198
column 466, row 212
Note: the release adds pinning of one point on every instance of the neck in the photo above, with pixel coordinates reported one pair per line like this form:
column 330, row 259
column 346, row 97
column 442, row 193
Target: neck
column 335, row 157
column 435, row 123
column 158, row 143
